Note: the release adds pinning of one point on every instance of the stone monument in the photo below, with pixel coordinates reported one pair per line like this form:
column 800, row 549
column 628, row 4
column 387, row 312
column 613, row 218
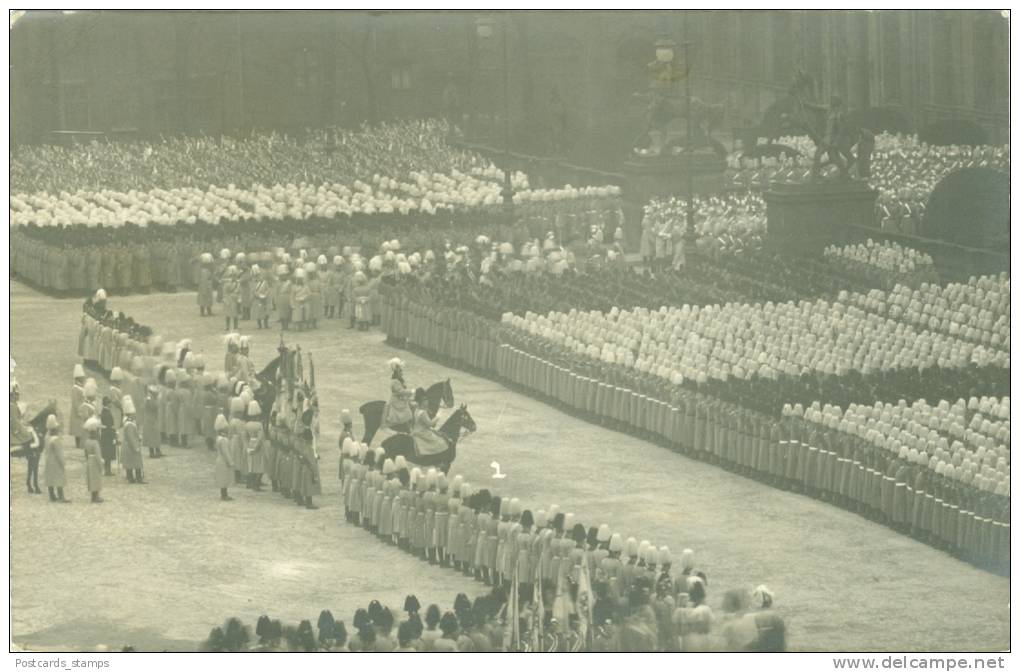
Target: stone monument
column 662, row 164
column 806, row 217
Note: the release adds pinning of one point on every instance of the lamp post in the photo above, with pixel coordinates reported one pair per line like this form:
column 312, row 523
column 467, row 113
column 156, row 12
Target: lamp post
column 508, row 190
column 666, row 74
column 484, row 30
column 690, row 237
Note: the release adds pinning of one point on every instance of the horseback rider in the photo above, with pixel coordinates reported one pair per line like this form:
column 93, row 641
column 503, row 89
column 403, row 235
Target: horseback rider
column 397, row 415
column 833, row 138
column 427, row 440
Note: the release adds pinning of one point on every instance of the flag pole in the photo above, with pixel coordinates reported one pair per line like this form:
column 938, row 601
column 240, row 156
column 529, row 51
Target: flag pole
column 540, row 606
column 516, row 627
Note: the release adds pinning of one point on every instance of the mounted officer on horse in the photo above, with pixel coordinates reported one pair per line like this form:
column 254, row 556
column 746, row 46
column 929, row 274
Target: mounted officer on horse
column 397, row 414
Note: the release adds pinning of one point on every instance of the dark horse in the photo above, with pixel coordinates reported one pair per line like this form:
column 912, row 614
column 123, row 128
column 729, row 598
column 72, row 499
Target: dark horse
column 403, row 444
column 439, row 394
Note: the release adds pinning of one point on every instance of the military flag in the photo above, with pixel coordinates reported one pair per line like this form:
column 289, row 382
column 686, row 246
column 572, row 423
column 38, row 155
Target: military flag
column 585, row 603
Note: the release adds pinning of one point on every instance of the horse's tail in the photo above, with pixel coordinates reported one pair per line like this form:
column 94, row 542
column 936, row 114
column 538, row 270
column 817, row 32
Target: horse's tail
column 372, row 408
column 371, row 413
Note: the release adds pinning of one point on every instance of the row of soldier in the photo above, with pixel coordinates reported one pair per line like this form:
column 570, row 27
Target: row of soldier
column 296, row 292
column 107, row 338
column 168, row 378
column 338, row 155
column 564, row 576
column 77, row 260
column 710, row 421
column 286, row 455
column 788, row 452
column 183, row 403
column 299, row 290
column 455, row 326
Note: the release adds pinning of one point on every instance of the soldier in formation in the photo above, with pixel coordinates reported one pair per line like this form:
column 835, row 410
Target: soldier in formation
column 554, row 567
column 55, row 467
column 131, row 443
column 93, row 460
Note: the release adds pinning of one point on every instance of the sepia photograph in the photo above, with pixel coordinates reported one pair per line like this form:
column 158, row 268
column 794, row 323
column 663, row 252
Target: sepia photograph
column 510, row 330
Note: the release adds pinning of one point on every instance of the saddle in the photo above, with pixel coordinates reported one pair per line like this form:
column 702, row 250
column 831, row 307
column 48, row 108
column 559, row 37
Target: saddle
column 429, row 443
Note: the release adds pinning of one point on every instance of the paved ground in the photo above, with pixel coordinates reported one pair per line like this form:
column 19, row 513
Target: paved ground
column 159, row 565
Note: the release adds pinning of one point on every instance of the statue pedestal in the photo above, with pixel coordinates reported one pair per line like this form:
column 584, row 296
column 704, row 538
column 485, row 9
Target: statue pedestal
column 665, row 176
column 807, row 217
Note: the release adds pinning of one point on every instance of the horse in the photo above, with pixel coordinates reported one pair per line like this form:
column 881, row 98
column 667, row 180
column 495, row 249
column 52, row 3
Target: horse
column 37, row 423
column 403, row 444
column 793, row 115
column 439, row 394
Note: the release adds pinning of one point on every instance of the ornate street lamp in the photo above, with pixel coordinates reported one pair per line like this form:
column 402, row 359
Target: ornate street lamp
column 484, row 27
column 664, row 51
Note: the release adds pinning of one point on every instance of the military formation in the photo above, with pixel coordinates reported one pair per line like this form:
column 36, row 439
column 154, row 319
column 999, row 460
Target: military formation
column 558, row 585
column 75, row 260
column 735, row 377
column 108, row 339
column 722, row 414
column 181, row 404
column 855, row 332
column 184, row 162
column 896, row 264
column 729, row 223
column 545, row 275
column 155, row 231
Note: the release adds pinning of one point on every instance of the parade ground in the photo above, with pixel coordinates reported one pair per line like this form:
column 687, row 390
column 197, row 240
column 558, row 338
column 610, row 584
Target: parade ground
column 157, row 566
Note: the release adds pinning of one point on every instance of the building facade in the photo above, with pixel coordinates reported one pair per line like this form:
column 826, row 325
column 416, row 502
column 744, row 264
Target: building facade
column 568, row 77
